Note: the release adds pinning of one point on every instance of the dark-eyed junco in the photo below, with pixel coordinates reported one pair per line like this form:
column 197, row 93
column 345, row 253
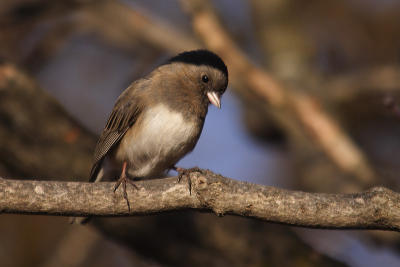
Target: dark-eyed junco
column 158, row 119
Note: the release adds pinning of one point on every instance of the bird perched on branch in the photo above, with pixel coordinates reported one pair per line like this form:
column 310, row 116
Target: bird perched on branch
column 158, row 119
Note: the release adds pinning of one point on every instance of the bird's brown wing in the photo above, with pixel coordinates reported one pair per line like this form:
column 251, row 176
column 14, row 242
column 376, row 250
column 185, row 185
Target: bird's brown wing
column 124, row 114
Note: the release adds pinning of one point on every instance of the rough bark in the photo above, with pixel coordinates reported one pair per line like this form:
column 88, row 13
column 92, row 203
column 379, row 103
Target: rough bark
column 377, row 208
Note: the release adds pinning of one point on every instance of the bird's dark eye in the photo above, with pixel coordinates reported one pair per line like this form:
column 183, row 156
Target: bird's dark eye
column 204, row 78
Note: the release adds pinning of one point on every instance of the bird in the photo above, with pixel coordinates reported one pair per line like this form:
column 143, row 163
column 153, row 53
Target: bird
column 158, row 119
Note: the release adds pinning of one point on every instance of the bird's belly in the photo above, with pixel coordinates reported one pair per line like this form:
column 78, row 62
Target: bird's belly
column 162, row 138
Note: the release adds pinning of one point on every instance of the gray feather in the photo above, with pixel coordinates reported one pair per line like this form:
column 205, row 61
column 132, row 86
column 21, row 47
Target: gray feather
column 123, row 116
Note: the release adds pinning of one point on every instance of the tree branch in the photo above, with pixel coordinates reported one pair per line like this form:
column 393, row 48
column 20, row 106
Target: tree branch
column 378, row 208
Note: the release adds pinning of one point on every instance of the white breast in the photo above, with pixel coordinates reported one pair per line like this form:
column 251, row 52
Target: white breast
column 162, row 140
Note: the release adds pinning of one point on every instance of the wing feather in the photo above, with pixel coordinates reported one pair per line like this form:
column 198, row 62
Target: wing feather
column 124, row 114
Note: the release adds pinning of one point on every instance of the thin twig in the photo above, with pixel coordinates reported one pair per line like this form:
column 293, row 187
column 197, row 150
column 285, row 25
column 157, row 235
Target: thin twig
column 122, row 25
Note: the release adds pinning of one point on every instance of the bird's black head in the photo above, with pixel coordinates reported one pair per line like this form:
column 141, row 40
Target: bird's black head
column 205, row 71
column 201, row 57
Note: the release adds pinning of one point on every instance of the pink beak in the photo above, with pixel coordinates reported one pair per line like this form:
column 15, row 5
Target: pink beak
column 214, row 99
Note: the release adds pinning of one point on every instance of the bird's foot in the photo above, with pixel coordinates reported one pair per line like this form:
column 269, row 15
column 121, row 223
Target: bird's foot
column 185, row 172
column 123, row 180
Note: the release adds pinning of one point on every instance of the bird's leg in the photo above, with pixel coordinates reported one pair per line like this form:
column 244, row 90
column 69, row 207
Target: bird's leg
column 184, row 172
column 123, row 179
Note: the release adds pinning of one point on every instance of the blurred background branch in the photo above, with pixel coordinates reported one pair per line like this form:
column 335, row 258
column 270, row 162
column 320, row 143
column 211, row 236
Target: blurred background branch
column 285, row 105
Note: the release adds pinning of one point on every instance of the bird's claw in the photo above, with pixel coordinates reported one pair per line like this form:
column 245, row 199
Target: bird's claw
column 123, row 180
column 185, row 172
